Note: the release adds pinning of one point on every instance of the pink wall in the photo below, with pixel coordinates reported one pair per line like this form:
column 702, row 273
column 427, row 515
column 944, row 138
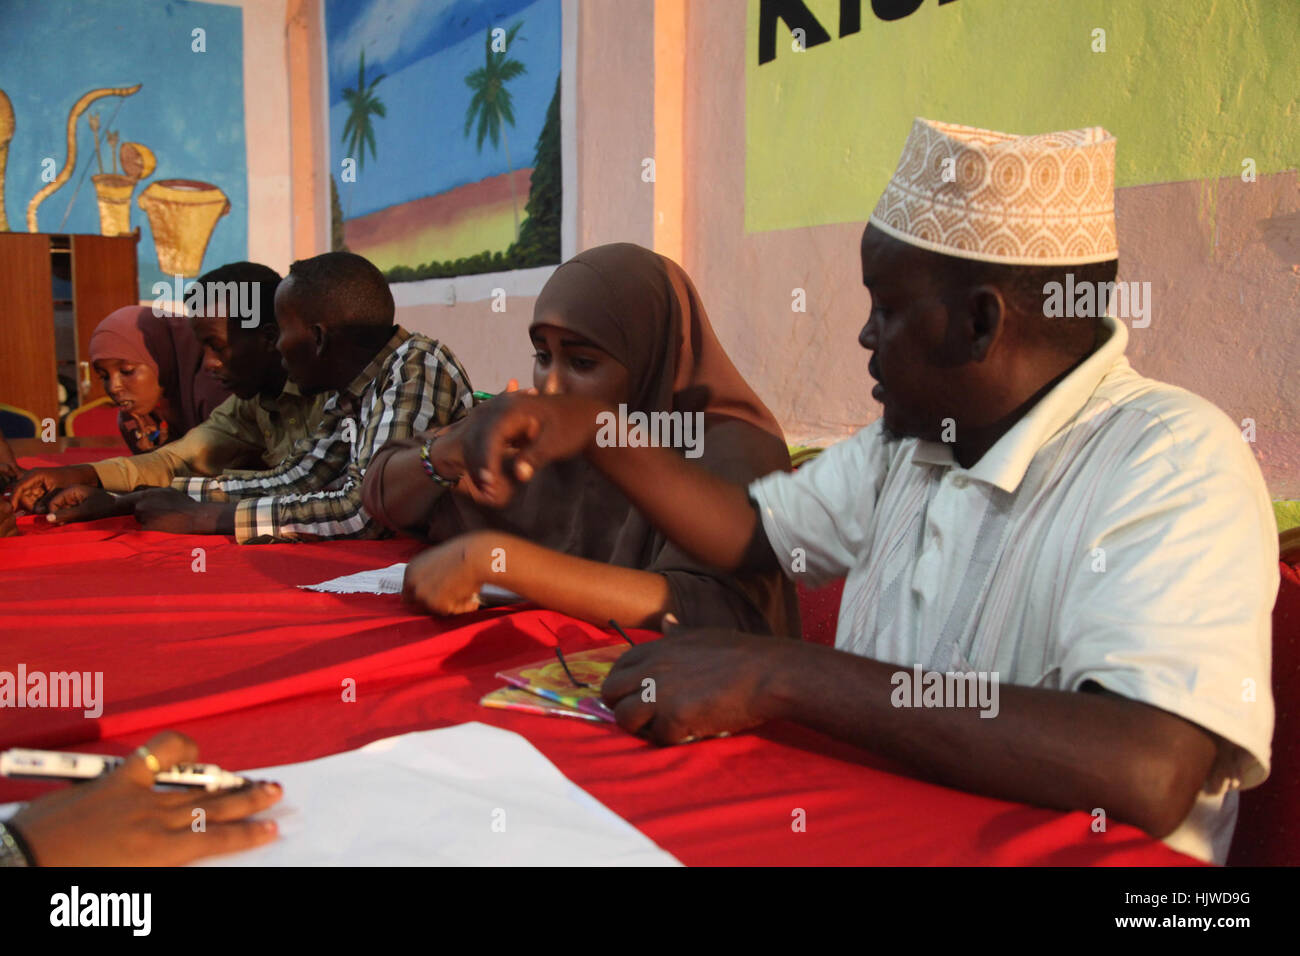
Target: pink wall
column 1223, row 260
column 1225, row 280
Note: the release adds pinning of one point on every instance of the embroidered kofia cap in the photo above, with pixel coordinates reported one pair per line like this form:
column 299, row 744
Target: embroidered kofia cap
column 996, row 197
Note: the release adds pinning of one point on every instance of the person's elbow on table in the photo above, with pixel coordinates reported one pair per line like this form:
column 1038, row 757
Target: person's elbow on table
column 120, row 820
column 1163, row 766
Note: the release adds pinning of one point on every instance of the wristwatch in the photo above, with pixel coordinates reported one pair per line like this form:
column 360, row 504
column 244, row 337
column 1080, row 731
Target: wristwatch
column 14, row 850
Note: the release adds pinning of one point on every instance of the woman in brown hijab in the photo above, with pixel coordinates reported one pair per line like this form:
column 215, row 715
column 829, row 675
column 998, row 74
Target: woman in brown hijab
column 152, row 368
column 624, row 325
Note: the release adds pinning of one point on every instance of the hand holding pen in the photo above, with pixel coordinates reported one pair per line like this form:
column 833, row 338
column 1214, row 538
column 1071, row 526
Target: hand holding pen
column 119, row 819
column 58, row 765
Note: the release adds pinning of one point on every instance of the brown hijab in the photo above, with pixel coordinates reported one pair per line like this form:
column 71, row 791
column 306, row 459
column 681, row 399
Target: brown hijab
column 644, row 311
column 167, row 344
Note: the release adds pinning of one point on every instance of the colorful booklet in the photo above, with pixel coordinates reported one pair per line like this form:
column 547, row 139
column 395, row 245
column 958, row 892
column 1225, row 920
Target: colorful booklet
column 548, row 679
column 512, row 698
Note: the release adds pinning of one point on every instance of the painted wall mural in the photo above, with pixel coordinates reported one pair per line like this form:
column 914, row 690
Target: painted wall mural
column 444, row 129
column 139, row 90
column 1190, row 89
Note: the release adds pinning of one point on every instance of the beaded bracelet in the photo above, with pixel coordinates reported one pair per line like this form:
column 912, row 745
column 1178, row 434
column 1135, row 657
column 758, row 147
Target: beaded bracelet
column 429, row 470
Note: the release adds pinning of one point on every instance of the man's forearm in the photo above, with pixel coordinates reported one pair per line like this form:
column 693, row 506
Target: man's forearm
column 305, row 517
column 406, row 488
column 218, row 518
column 706, row 516
column 1065, row 750
column 709, row 518
column 406, row 491
column 83, row 475
column 155, row 469
column 124, row 502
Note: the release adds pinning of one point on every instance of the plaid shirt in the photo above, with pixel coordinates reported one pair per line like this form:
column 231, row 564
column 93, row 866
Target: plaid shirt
column 413, row 384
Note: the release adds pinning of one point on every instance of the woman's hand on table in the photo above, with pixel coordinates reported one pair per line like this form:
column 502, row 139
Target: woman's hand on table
column 446, row 578
column 120, row 820
column 8, row 523
column 705, row 682
column 34, row 489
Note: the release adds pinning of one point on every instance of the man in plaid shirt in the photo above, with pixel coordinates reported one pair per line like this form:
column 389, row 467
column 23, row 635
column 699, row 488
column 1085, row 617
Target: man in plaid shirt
column 335, row 313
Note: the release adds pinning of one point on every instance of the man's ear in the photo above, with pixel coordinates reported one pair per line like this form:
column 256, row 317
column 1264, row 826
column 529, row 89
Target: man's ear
column 321, row 335
column 987, row 311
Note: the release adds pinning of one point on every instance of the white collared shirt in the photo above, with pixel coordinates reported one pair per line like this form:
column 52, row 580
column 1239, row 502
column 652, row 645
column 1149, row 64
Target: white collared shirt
column 1120, row 533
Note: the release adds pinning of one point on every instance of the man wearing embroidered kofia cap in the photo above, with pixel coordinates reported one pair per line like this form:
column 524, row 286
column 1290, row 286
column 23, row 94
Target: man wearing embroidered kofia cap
column 1059, row 574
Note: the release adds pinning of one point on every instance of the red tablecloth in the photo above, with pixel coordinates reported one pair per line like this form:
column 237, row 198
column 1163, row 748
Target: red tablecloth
column 252, row 667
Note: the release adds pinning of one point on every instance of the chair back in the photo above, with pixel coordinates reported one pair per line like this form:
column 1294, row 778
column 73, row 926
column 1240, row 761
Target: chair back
column 94, row 418
column 18, row 422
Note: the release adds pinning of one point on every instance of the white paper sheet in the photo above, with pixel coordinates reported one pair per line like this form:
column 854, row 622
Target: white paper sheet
column 380, row 581
column 469, row 795
column 389, row 581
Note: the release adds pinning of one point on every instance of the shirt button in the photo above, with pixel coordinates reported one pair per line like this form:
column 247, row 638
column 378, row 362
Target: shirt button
column 961, row 481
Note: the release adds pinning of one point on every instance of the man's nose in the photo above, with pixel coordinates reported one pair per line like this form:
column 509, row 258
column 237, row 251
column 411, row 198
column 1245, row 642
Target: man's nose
column 210, row 361
column 867, row 337
column 554, row 386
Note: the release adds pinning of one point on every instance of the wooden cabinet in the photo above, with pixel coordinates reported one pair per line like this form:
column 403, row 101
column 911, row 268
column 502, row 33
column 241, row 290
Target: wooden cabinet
column 99, row 271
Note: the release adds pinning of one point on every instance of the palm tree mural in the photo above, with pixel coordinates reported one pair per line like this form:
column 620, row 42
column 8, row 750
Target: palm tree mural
column 362, row 104
column 492, row 105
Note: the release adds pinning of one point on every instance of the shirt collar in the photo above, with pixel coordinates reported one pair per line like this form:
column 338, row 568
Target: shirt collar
column 1005, row 464
column 357, row 387
column 289, row 394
